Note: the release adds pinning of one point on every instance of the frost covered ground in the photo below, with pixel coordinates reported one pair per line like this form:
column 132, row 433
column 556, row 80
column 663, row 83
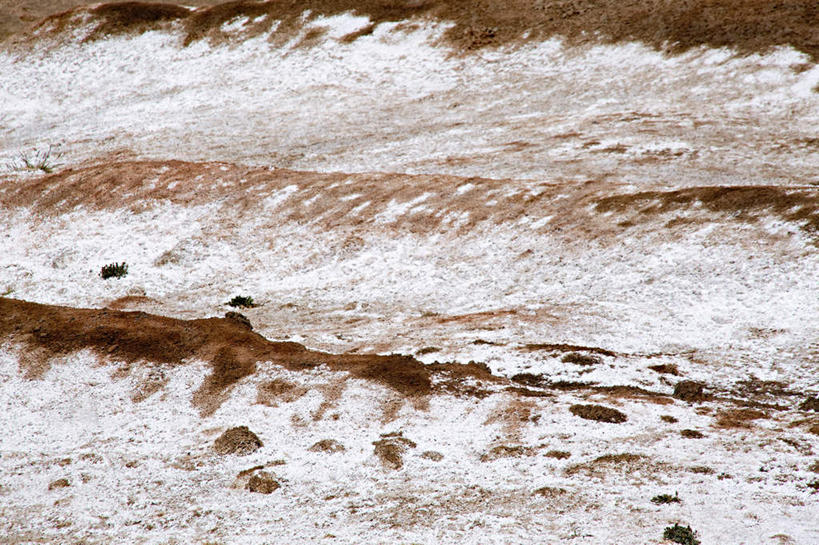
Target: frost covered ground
column 593, row 223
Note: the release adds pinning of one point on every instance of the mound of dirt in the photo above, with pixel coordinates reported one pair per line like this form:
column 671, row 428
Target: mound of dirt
column 239, row 440
column 262, row 482
column 390, row 449
column 59, row 483
column 327, row 445
column 665, row 368
column 810, row 404
column 689, row 390
column 580, row 359
column 432, row 455
column 598, row 413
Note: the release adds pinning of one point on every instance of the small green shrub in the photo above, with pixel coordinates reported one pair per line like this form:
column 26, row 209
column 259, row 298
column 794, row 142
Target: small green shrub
column 114, row 270
column 683, row 535
column 242, row 301
column 665, row 498
column 42, row 160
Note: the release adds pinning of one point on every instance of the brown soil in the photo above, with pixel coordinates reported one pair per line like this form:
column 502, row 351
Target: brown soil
column 49, row 332
column 598, row 413
column 748, row 25
column 692, row 434
column 549, row 492
column 327, row 445
column 737, row 418
column 514, row 416
column 744, row 203
column 239, row 440
column 138, row 186
column 507, row 451
column 608, row 462
column 390, row 449
column 129, row 302
column 558, row 454
column 668, row 418
column 262, row 483
column 568, row 348
column 665, row 368
column 810, row 404
column 688, row 390
column 580, row 359
column 59, row 483
column 432, row 455
column 276, row 391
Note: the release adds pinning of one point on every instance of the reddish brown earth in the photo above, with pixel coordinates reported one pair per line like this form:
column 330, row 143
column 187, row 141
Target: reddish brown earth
column 233, row 350
column 747, row 25
column 136, row 185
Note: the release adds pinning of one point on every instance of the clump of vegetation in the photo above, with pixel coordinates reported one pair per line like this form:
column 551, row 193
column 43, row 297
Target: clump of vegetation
column 42, row 160
column 661, row 499
column 242, row 301
column 114, row 270
column 683, row 535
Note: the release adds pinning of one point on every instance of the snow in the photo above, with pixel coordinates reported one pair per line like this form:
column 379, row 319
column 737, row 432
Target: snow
column 723, row 298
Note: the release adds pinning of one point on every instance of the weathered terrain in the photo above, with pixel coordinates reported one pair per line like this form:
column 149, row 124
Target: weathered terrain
column 521, row 272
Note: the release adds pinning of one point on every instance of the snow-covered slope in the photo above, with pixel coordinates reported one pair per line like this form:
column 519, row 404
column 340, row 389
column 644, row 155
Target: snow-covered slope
column 588, row 220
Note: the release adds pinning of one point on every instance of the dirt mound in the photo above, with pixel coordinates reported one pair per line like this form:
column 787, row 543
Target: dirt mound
column 810, row 404
column 748, row 25
column 262, row 482
column 580, row 359
column 233, row 351
column 327, row 445
column 59, row 483
column 239, row 440
column 689, row 390
column 598, row 413
column 390, row 449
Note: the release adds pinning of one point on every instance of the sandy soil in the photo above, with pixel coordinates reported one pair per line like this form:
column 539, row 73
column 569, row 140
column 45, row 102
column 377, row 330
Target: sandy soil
column 520, row 272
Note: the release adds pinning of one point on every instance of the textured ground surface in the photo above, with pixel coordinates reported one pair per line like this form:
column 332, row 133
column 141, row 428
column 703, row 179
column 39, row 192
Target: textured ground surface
column 519, row 269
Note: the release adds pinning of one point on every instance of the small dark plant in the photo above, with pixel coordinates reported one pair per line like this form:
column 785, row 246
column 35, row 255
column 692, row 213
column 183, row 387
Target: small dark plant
column 114, row 270
column 665, row 498
column 43, row 160
column 683, row 535
column 242, row 301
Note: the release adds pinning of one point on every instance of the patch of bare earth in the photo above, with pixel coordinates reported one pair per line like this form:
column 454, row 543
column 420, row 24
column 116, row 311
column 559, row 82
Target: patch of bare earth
column 747, row 25
column 49, row 332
